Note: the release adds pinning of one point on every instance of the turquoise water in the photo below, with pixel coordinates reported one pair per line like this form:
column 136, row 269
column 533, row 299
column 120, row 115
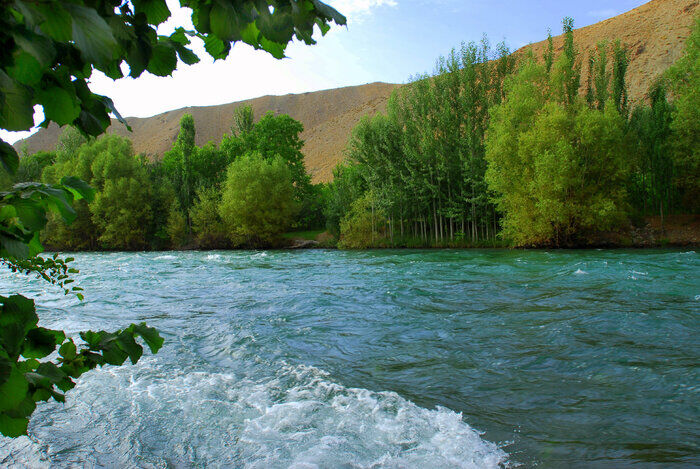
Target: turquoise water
column 381, row 359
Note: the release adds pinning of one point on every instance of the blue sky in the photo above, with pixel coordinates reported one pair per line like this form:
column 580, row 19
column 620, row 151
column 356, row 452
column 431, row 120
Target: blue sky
column 385, row 40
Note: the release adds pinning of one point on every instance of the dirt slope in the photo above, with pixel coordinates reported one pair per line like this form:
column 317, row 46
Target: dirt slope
column 655, row 34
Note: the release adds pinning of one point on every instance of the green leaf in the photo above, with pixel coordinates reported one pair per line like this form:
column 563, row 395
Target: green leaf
column 13, row 391
column 329, row 12
column 26, row 69
column 186, row 55
column 14, row 247
column 275, row 49
column 51, row 372
column 79, row 188
column 224, row 21
column 59, row 105
column 128, row 344
column 112, row 108
column 163, row 61
column 57, row 23
column 156, row 11
column 16, row 109
column 217, row 48
column 150, row 335
column 67, row 350
column 31, row 214
column 92, row 34
column 41, row 342
column 13, row 427
column 8, row 157
column 17, row 317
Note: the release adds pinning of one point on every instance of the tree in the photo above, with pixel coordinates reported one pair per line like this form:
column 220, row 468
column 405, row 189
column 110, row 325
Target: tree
column 257, row 200
column 177, row 162
column 207, row 226
column 360, row 227
column 684, row 83
column 49, row 51
column 557, row 167
column 243, row 120
column 274, row 136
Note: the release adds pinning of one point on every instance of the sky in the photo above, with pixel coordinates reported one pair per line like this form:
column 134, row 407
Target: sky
column 385, row 40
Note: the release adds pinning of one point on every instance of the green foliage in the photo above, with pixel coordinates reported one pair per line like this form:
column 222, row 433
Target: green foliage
column 275, row 136
column 557, row 167
column 24, row 380
column 209, row 230
column 120, row 215
column 650, row 128
column 684, row 82
column 51, row 48
column 257, row 200
column 424, row 160
column 348, row 186
column 177, row 227
column 177, row 162
column 243, row 120
column 363, row 225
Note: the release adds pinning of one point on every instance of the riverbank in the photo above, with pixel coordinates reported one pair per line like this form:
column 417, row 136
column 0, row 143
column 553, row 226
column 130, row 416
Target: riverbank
column 650, row 232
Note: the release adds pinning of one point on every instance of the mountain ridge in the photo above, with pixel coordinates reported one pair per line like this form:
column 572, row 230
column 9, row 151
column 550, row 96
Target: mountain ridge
column 654, row 34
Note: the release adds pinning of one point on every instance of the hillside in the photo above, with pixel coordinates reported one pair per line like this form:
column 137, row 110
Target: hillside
column 654, row 33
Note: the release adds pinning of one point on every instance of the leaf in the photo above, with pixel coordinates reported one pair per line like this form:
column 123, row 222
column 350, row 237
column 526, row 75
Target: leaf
column 163, row 61
column 31, row 214
column 128, row 344
column 67, row 350
column 57, row 23
column 16, row 109
column 186, row 55
column 156, row 11
column 14, row 247
column 17, row 317
column 224, row 21
column 8, row 157
column 92, row 34
column 26, row 69
column 275, row 49
column 150, row 335
column 13, row 390
column 41, row 342
column 59, row 105
column 110, row 105
column 329, row 12
column 51, row 371
column 79, row 188
column 217, row 48
column 13, row 427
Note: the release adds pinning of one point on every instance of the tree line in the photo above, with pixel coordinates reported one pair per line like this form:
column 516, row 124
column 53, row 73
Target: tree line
column 485, row 151
column 244, row 192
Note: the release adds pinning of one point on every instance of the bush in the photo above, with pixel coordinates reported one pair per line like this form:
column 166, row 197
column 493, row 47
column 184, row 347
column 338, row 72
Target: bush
column 257, row 201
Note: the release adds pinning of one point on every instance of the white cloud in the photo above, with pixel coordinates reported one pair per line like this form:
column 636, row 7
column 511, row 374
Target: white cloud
column 358, row 8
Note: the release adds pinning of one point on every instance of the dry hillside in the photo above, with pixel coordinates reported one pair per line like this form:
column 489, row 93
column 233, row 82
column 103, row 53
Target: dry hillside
column 655, row 34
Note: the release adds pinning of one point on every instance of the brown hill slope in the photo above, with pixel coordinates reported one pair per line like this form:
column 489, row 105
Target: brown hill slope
column 655, row 34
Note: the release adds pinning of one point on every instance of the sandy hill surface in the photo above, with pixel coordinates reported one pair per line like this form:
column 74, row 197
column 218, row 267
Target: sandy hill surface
column 655, row 34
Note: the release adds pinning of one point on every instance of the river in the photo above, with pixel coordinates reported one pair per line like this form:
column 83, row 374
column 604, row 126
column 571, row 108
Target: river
column 380, row 359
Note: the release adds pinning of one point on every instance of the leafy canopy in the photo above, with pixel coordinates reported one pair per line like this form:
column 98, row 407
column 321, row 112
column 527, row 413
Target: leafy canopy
column 49, row 50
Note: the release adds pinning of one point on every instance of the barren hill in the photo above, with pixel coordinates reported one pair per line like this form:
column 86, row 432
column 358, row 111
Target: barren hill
column 655, row 34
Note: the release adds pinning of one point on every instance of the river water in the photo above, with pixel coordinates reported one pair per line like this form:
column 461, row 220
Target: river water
column 380, row 359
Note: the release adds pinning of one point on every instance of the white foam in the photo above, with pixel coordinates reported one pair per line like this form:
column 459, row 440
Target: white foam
column 580, row 272
column 165, row 257
column 296, row 418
